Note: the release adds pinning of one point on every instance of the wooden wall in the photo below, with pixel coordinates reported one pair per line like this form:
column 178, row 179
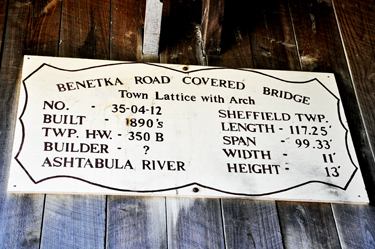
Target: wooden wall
column 308, row 35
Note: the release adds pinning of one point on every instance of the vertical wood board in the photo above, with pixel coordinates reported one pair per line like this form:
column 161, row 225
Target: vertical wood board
column 132, row 222
column 194, row 223
column 3, row 13
column 126, row 30
column 272, row 40
column 135, row 222
column 21, row 215
column 356, row 22
column 355, row 224
column 191, row 223
column 251, row 224
column 151, row 37
column 212, row 25
column 84, row 216
column 85, row 29
column 308, row 225
column 181, row 34
column 235, row 45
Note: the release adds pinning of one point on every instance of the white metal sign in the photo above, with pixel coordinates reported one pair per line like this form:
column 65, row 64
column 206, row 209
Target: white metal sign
column 105, row 127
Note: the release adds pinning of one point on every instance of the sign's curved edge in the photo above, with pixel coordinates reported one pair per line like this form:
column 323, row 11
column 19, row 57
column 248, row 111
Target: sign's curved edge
column 184, row 186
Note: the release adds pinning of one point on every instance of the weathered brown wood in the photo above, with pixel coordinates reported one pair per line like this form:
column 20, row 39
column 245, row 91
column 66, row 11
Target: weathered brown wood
column 136, row 222
column 194, row 223
column 356, row 21
column 85, row 34
column 235, row 46
column 85, row 29
column 127, row 19
column 274, row 47
column 21, row 215
column 181, row 18
column 191, row 223
column 45, row 29
column 272, row 39
column 212, row 24
column 3, row 12
column 251, row 224
column 247, row 224
column 133, row 222
column 151, row 37
column 357, row 24
column 321, row 50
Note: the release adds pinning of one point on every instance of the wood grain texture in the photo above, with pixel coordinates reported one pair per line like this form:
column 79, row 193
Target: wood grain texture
column 212, row 25
column 127, row 18
column 3, row 13
column 84, row 34
column 20, row 215
column 357, row 25
column 133, row 222
column 356, row 227
column 272, row 39
column 181, row 34
column 274, row 47
column 235, row 46
column 45, row 28
column 194, row 223
column 308, row 225
column 85, row 29
column 191, row 223
column 74, row 222
column 151, row 37
column 251, row 224
column 247, row 224
column 321, row 50
column 136, row 222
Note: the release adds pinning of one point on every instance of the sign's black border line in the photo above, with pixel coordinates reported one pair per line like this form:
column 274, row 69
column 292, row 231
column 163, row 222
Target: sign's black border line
column 193, row 183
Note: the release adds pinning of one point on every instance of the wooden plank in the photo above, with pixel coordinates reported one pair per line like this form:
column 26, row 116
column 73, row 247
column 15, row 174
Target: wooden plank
column 356, row 21
column 274, row 47
column 85, row 34
column 191, row 223
column 194, row 223
column 357, row 25
column 73, row 222
column 154, row 9
column 21, row 215
column 355, row 224
column 181, row 18
column 136, row 222
column 133, row 222
column 85, row 29
column 212, row 24
column 321, row 50
column 3, row 13
column 235, row 48
column 251, row 224
column 272, row 39
column 247, row 224
column 126, row 29
column 44, row 39
column 308, row 225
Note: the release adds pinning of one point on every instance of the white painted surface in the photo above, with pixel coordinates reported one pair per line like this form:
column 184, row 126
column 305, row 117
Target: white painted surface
column 292, row 149
column 151, row 37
